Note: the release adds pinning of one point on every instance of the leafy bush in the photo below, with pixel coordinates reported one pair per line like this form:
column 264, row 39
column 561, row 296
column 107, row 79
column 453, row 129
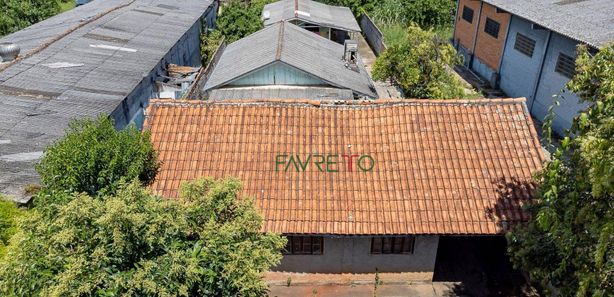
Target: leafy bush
column 569, row 242
column 18, row 14
column 209, row 42
column 206, row 243
column 95, row 158
column 421, row 66
column 9, row 213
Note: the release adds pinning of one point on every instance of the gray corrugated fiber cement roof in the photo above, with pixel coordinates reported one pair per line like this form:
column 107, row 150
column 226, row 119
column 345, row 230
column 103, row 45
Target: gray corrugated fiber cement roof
column 588, row 21
column 312, row 12
column 95, row 55
column 287, row 43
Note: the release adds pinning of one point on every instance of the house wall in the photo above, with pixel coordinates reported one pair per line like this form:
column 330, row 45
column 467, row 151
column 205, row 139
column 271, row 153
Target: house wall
column 488, row 50
column 352, row 254
column 464, row 32
column 552, row 83
column 518, row 71
column 277, row 74
column 185, row 52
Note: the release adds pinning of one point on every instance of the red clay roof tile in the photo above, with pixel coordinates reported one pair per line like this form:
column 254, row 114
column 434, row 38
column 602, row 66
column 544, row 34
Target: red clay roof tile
column 441, row 167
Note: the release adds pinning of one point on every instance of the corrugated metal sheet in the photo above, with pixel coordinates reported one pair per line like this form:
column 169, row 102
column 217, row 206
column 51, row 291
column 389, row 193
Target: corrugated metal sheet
column 296, row 47
column 588, row 21
column 311, row 93
column 312, row 12
column 107, row 48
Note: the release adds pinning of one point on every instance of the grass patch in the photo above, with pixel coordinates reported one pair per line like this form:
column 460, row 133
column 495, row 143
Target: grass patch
column 66, row 6
column 393, row 34
column 396, row 33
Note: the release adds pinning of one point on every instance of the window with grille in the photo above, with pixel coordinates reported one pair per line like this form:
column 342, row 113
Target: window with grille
column 304, row 245
column 393, row 245
column 565, row 65
column 467, row 14
column 492, row 28
column 524, row 44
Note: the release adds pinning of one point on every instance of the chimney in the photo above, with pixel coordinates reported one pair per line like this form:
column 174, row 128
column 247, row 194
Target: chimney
column 350, row 54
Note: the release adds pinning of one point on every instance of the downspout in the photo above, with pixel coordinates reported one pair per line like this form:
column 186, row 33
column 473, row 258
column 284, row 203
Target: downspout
column 541, row 70
column 475, row 36
column 507, row 34
column 455, row 21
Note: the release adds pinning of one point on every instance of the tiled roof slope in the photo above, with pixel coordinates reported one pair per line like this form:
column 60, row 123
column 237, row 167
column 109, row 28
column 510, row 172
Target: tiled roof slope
column 337, row 17
column 589, row 21
column 441, row 167
column 38, row 96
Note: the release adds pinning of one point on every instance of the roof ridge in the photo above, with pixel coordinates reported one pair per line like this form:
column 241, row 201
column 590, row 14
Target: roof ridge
column 339, row 103
column 280, row 42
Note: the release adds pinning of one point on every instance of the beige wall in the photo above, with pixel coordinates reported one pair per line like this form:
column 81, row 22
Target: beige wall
column 489, row 49
column 352, row 254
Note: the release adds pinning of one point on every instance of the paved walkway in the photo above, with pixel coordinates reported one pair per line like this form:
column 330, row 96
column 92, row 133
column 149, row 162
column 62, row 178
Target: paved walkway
column 390, row 284
column 384, row 89
column 384, row 290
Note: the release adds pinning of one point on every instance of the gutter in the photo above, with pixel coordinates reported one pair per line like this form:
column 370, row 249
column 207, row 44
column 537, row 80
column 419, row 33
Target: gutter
column 541, row 70
column 475, row 35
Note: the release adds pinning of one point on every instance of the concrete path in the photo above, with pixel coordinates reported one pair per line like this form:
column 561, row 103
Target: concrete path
column 437, row 289
column 284, row 284
column 384, row 89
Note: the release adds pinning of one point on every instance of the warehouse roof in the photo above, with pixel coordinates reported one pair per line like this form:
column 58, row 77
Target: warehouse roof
column 439, row 167
column 78, row 64
column 588, row 21
column 298, row 48
column 311, row 12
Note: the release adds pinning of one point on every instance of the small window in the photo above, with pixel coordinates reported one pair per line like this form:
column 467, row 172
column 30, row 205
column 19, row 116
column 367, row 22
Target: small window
column 467, row 14
column 566, row 65
column 393, row 245
column 491, row 28
column 524, row 45
column 304, row 245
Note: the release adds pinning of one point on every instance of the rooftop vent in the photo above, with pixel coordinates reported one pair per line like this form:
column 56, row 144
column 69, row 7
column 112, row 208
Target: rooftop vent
column 266, row 15
column 8, row 51
column 350, row 54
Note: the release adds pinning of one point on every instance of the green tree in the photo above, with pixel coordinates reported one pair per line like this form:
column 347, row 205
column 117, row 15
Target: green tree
column 95, row 158
column 239, row 19
column 421, row 66
column 18, row 14
column 569, row 243
column 206, row 243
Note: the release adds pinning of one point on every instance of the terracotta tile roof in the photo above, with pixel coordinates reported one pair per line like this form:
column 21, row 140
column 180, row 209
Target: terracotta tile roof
column 441, row 167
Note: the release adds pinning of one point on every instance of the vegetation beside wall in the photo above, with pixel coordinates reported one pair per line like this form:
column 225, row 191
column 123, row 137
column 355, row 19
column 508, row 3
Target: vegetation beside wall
column 569, row 242
column 420, row 65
